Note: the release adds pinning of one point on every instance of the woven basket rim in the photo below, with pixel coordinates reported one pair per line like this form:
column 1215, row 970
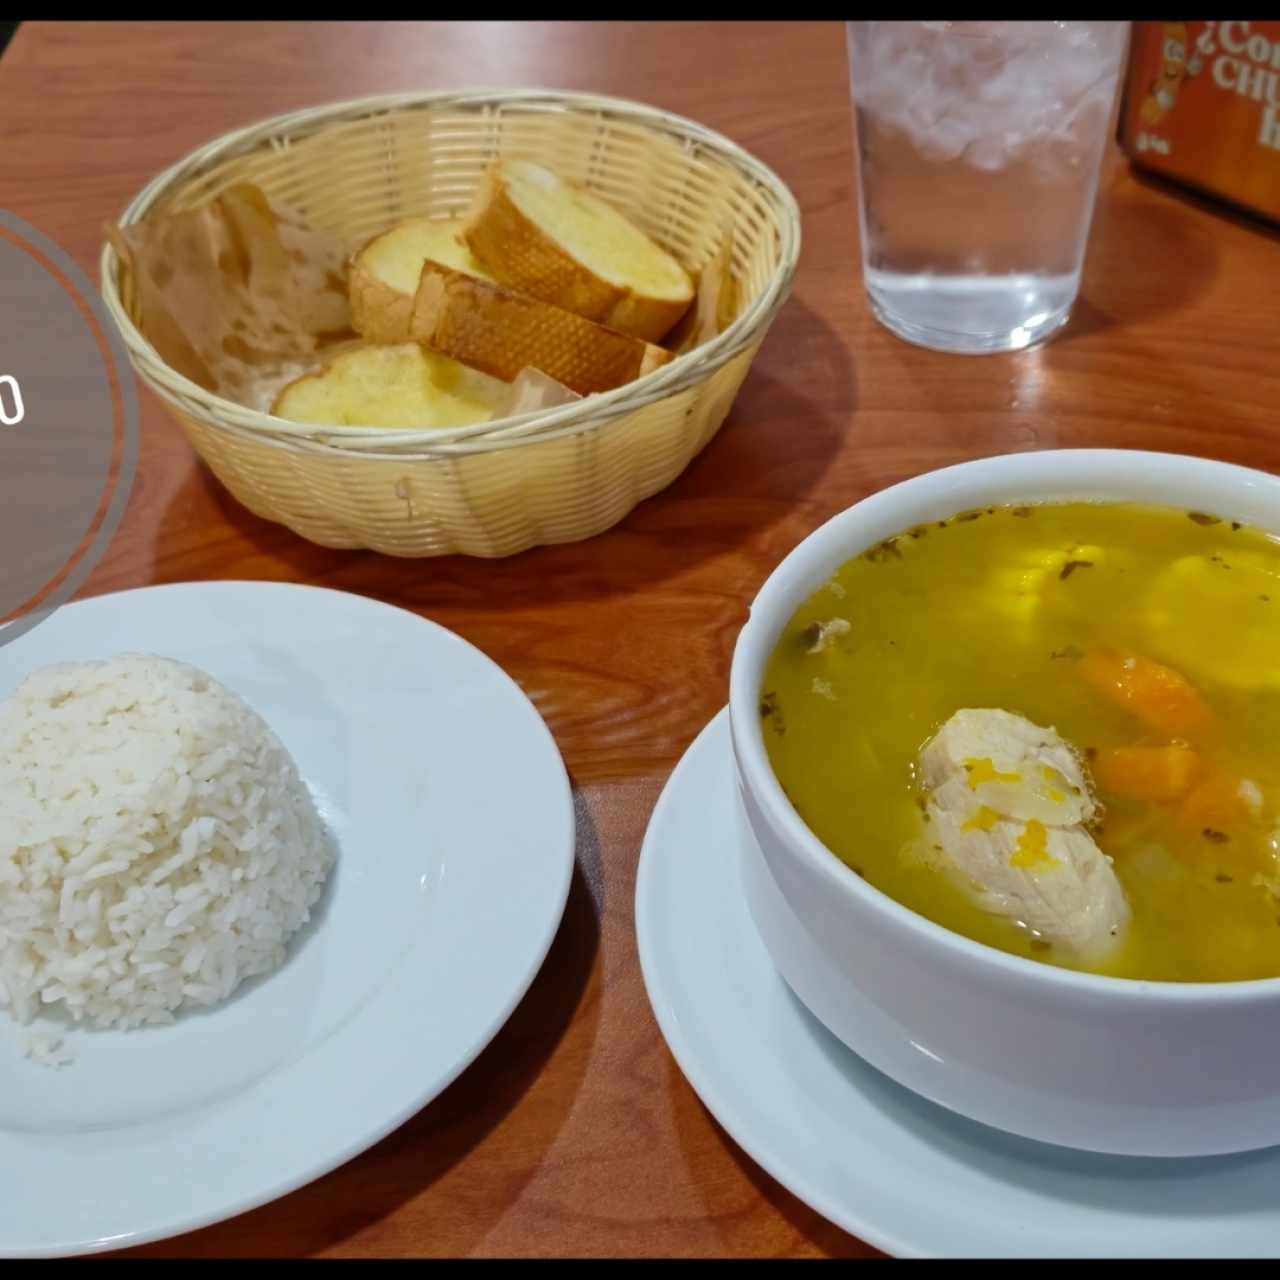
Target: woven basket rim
column 669, row 379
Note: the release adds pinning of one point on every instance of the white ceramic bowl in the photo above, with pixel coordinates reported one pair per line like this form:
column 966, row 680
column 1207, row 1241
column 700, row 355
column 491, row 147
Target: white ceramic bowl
column 1103, row 1064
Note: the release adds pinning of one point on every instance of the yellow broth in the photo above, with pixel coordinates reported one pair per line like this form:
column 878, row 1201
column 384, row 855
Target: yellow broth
column 1007, row 607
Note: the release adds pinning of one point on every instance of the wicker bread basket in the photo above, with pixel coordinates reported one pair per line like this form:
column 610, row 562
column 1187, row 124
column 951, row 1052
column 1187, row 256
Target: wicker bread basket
column 490, row 489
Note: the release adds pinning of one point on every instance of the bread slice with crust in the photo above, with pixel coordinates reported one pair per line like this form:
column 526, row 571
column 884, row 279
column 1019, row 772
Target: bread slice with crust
column 392, row 386
column 502, row 332
column 384, row 274
column 555, row 241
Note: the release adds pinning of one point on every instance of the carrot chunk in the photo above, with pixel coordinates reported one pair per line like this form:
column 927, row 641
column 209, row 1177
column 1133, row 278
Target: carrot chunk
column 1215, row 807
column 1157, row 695
column 1159, row 774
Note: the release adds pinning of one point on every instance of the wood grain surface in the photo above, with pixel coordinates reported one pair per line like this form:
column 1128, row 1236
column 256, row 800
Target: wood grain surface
column 574, row 1133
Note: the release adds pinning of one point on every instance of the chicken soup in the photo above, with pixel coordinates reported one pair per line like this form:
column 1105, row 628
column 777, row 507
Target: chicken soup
column 1054, row 729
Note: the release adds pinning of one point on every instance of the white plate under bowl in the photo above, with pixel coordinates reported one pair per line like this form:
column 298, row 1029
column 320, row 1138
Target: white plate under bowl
column 891, row 1168
column 454, row 823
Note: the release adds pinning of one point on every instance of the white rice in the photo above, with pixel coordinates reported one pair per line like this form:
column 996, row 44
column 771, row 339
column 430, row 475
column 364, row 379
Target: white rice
column 157, row 844
column 47, row 1051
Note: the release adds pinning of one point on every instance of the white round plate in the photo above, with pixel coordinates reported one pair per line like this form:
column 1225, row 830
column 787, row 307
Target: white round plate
column 455, row 831
column 889, row 1167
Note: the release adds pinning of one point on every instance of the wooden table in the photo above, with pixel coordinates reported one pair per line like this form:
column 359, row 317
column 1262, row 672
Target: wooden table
column 574, row 1133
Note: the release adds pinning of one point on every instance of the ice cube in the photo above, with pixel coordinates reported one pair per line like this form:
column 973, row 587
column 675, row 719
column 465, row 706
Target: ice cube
column 944, row 142
column 991, row 152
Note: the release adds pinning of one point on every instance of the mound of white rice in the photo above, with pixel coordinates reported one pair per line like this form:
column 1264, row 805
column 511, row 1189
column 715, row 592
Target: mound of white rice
column 157, row 845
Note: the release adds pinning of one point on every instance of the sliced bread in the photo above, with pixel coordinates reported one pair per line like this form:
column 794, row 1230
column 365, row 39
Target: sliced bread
column 540, row 235
column 392, row 386
column 384, row 274
column 502, row 332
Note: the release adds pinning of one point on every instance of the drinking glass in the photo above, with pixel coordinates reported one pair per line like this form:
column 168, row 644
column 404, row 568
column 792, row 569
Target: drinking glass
column 979, row 149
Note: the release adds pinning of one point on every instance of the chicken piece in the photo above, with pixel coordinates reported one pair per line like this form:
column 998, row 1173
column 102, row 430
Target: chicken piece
column 1017, row 768
column 1007, row 802
column 822, row 635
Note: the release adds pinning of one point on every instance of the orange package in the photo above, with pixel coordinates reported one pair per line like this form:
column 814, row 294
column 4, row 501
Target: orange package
column 1202, row 106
